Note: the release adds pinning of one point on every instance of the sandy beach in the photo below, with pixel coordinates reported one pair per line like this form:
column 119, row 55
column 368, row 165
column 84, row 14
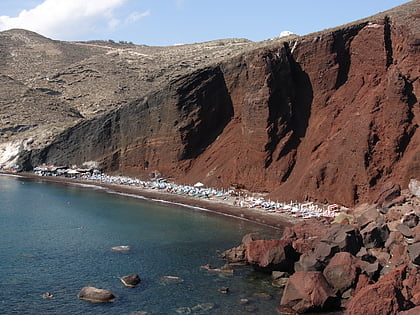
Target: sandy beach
column 215, row 205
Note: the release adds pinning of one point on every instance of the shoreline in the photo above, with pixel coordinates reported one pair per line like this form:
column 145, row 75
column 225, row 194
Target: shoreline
column 276, row 221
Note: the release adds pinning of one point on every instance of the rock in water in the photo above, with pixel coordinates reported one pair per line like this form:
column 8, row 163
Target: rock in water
column 122, row 248
column 96, row 295
column 171, row 279
column 130, row 280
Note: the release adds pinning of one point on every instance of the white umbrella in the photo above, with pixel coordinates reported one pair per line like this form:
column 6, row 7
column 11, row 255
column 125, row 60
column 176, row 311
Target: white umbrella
column 198, row 184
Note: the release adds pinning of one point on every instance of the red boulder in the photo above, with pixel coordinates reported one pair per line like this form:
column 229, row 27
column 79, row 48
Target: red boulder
column 270, row 255
column 308, row 291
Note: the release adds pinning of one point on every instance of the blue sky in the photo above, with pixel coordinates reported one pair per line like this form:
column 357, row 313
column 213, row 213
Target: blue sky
column 168, row 22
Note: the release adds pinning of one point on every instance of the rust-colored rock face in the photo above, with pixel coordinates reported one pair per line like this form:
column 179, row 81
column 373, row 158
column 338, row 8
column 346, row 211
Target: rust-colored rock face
column 330, row 116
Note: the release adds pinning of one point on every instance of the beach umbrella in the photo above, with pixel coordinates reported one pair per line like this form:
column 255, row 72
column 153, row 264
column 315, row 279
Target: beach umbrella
column 198, row 184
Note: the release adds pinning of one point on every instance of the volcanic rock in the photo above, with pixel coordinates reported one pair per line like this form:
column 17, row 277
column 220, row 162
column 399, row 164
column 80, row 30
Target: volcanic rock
column 411, row 220
column 342, row 271
column 236, row 254
column 308, row 291
column 383, row 297
column 374, row 235
column 271, row 255
column 388, row 192
column 414, row 252
column 171, row 279
column 95, row 295
column 131, row 280
column 346, row 237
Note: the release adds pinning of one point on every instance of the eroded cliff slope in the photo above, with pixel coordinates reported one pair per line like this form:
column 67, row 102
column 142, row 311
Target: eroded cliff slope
column 330, row 116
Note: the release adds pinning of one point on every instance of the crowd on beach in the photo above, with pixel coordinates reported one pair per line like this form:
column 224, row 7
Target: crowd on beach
column 235, row 198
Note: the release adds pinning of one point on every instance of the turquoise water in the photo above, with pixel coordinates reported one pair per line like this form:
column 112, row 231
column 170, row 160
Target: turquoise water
column 57, row 239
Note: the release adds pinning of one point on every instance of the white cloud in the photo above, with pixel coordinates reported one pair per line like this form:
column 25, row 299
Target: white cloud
column 67, row 19
column 135, row 16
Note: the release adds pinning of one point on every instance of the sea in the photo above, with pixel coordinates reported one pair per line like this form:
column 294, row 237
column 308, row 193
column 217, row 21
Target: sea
column 58, row 238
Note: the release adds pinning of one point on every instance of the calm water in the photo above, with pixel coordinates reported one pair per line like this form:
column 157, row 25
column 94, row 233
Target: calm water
column 57, row 238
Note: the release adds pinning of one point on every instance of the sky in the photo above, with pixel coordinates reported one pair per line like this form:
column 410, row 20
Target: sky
column 170, row 22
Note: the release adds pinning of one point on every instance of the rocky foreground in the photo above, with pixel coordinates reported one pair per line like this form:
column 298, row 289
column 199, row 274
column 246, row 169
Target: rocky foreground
column 366, row 261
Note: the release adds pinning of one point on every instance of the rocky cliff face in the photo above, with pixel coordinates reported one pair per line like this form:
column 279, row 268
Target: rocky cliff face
column 330, row 116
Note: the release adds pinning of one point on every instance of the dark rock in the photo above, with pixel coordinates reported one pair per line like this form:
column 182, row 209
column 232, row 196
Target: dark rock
column 316, row 259
column 374, row 235
column 346, row 237
column 414, row 252
column 394, row 202
column 131, row 280
column 388, row 192
column 381, row 256
column 308, row 291
column 370, row 215
column 269, row 255
column 395, row 237
column 342, row 271
column 364, row 255
column 405, row 230
column 279, row 282
column 279, row 274
column 236, row 254
column 411, row 220
column 371, row 270
column 224, row 290
column 308, row 262
column 96, row 295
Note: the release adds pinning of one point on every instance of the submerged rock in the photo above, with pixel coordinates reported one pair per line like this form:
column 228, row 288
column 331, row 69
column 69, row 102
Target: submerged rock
column 203, row 307
column 121, row 248
column 96, row 295
column 171, row 279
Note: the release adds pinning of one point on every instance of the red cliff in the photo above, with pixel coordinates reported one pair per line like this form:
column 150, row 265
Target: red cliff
column 330, row 116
